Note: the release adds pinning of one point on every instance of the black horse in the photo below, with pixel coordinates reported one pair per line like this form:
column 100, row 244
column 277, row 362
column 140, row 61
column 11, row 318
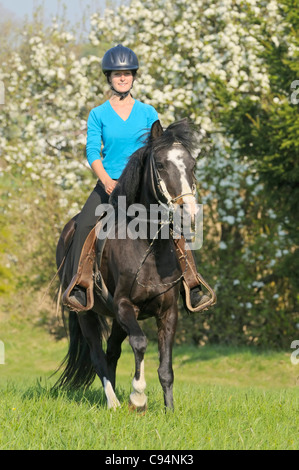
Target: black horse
column 142, row 274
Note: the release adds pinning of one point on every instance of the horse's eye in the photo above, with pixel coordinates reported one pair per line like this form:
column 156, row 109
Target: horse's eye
column 159, row 166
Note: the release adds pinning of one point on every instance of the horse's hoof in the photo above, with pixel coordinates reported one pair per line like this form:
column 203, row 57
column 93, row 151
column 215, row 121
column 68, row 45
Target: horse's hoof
column 138, row 409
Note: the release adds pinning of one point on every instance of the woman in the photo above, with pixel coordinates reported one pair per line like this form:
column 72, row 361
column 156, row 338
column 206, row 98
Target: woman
column 119, row 124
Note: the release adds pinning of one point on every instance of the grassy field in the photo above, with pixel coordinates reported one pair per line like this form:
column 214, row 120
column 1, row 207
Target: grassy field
column 224, row 399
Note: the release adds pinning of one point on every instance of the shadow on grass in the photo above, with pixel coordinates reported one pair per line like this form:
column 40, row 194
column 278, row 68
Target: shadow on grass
column 91, row 396
column 191, row 354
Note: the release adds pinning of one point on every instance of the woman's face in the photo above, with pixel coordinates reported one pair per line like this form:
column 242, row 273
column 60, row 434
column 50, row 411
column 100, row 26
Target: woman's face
column 121, row 80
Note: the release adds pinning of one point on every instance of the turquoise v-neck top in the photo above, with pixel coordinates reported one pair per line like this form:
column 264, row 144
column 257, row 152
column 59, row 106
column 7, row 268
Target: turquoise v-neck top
column 120, row 138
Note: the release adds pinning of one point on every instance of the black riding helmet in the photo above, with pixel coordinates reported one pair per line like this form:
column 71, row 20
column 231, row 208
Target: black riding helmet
column 119, row 58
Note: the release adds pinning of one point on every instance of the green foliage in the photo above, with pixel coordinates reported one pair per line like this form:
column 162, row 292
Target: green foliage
column 266, row 131
column 229, row 67
column 8, row 260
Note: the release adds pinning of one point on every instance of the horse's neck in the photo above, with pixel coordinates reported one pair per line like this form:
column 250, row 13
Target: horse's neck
column 147, row 195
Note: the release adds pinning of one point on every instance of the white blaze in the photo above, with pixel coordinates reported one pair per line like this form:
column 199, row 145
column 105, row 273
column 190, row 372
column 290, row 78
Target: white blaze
column 176, row 157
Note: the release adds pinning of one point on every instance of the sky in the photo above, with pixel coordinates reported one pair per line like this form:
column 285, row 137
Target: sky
column 74, row 8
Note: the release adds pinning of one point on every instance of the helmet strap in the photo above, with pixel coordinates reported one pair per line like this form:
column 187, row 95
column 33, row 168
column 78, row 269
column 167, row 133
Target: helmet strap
column 122, row 94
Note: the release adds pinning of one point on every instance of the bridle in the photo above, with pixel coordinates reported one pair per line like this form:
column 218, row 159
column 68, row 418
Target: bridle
column 165, row 200
column 159, row 187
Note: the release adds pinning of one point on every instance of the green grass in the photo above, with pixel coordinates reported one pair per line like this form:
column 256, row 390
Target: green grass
column 224, row 399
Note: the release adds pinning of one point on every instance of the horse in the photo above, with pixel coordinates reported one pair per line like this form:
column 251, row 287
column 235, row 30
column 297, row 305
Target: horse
column 142, row 274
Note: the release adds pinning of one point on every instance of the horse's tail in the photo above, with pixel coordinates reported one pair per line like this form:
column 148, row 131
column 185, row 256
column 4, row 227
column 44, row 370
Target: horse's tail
column 77, row 367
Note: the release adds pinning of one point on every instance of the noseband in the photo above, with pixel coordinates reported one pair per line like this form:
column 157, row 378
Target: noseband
column 160, row 190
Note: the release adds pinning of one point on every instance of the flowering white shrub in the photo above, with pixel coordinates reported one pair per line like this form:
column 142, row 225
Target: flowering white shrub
column 189, row 52
column 184, row 49
column 185, row 46
column 43, row 121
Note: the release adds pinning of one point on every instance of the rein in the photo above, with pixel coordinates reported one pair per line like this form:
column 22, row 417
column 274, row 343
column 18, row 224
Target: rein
column 147, row 253
column 168, row 205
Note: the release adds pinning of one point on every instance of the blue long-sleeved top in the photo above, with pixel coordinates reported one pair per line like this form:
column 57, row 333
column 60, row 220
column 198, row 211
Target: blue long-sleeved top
column 120, row 138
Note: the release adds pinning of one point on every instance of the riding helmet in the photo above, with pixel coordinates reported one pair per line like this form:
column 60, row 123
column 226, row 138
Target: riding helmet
column 119, row 58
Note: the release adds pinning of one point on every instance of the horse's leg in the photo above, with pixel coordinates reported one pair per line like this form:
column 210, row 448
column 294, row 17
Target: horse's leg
column 166, row 332
column 138, row 342
column 89, row 327
column 113, row 353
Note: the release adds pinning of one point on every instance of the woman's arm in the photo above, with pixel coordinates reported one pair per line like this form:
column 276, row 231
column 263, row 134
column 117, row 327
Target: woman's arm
column 93, row 152
column 103, row 176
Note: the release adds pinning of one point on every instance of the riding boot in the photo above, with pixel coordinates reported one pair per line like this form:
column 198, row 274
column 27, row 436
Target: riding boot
column 192, row 293
column 78, row 297
column 79, row 294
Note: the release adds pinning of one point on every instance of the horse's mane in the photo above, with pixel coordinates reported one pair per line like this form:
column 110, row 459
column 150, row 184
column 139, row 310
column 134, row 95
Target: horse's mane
column 181, row 131
column 129, row 183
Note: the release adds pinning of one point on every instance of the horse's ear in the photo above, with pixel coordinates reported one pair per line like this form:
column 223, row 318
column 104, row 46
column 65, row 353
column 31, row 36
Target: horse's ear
column 156, row 130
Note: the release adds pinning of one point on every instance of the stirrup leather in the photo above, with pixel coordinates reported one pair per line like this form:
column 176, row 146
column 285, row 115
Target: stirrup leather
column 191, row 277
column 84, row 276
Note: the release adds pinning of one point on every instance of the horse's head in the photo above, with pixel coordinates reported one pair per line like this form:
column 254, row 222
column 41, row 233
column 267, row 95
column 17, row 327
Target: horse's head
column 172, row 166
column 163, row 170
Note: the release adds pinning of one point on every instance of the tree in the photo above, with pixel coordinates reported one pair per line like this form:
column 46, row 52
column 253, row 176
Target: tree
column 267, row 132
column 219, row 65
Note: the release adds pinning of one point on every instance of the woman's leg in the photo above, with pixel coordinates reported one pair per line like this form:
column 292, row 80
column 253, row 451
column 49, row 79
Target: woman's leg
column 84, row 224
column 188, row 265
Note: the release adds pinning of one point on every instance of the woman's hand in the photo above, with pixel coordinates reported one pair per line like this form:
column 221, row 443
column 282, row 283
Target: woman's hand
column 103, row 176
column 109, row 184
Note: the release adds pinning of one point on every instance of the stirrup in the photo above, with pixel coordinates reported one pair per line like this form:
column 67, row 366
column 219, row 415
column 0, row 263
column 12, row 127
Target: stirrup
column 75, row 305
column 205, row 305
